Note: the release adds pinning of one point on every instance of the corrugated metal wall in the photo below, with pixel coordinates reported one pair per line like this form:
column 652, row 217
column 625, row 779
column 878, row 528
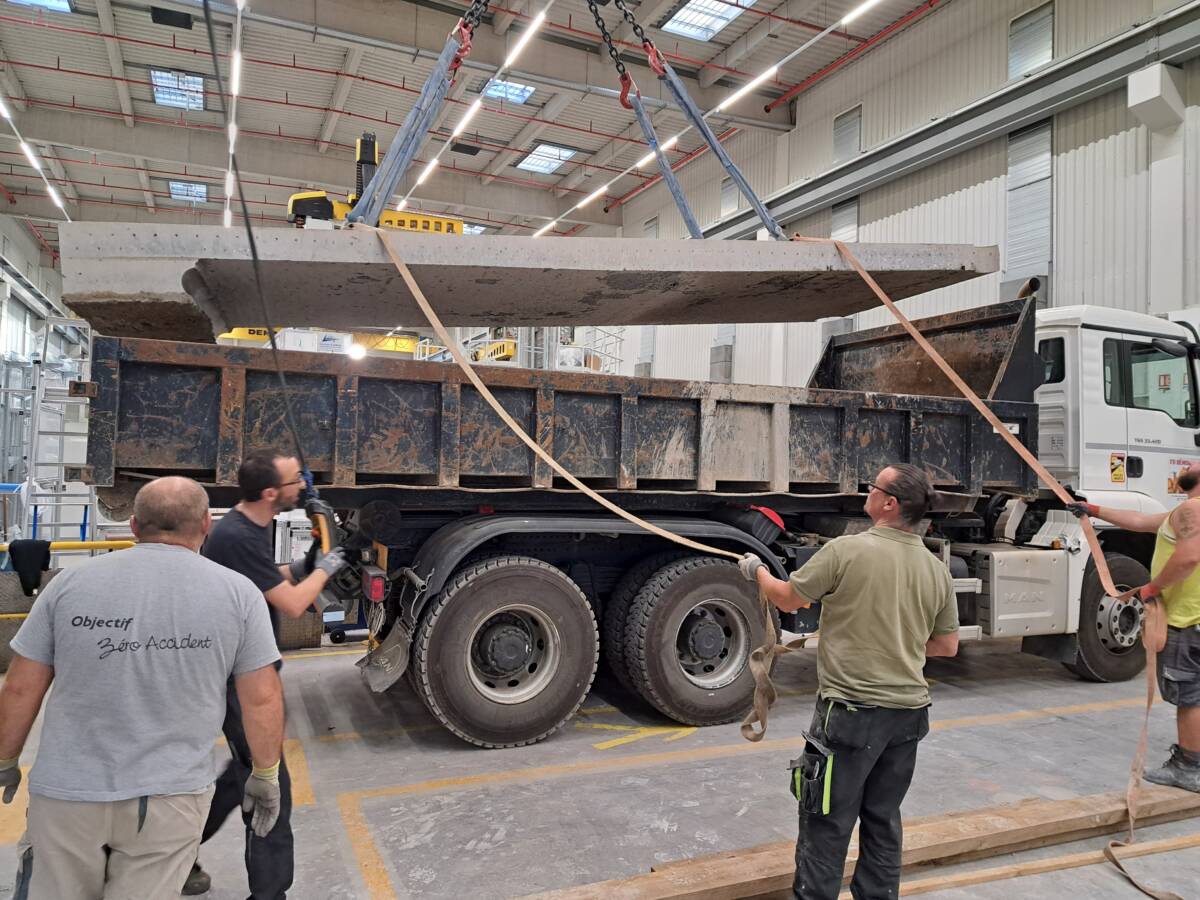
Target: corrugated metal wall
column 1101, row 201
column 1192, row 182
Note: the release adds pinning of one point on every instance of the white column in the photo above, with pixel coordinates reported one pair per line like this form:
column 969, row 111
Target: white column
column 1155, row 97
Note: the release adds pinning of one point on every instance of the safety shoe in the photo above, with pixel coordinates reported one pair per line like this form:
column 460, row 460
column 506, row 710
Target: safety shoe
column 197, row 882
column 1176, row 772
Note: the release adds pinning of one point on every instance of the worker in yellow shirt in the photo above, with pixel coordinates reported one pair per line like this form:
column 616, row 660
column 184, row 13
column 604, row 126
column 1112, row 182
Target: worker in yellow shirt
column 1175, row 578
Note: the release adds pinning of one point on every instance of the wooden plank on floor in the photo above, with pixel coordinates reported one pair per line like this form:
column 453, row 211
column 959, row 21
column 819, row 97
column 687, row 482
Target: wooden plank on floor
column 766, row 871
column 1040, row 866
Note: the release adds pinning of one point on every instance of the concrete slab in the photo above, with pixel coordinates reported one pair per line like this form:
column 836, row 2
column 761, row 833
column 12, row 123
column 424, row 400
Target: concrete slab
column 189, row 283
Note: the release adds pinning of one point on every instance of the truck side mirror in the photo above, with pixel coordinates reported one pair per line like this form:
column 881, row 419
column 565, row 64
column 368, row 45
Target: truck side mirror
column 1177, row 349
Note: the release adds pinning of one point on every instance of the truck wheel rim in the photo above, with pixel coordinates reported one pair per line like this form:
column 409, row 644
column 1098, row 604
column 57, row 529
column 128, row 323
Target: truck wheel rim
column 1119, row 625
column 513, row 654
column 713, row 643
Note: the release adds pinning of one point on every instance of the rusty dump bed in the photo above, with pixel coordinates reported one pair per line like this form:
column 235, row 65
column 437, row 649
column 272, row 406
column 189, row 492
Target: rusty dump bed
column 417, row 434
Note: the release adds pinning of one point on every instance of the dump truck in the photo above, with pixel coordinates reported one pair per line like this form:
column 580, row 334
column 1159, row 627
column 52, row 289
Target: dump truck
column 496, row 589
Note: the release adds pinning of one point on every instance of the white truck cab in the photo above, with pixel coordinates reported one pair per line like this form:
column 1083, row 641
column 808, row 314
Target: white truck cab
column 1118, row 419
column 1118, row 411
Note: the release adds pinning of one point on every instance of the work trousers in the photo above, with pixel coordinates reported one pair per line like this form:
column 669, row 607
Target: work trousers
column 139, row 849
column 269, row 860
column 874, row 755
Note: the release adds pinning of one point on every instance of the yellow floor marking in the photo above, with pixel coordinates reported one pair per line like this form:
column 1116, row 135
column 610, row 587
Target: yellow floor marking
column 14, row 615
column 292, row 656
column 12, row 815
column 636, row 733
column 1048, row 712
column 297, row 765
column 399, row 730
column 371, row 865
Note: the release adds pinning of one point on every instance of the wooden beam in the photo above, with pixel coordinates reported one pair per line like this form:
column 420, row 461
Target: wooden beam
column 766, row 871
column 1040, row 866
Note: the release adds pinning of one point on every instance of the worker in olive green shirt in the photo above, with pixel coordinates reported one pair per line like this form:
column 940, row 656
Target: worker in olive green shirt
column 887, row 603
column 1175, row 581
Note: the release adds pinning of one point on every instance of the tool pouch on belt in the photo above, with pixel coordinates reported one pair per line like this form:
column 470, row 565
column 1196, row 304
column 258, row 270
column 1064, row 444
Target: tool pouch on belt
column 812, row 777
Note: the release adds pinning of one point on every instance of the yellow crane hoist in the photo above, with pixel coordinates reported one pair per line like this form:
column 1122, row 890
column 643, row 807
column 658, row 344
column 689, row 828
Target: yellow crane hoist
column 308, row 208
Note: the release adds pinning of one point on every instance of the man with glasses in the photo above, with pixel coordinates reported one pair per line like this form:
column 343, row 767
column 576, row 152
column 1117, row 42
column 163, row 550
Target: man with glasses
column 270, row 482
column 887, row 604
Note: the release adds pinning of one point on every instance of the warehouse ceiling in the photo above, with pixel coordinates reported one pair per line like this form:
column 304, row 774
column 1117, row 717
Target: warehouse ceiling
column 117, row 102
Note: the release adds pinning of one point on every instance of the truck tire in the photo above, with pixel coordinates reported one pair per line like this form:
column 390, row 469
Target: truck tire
column 506, row 652
column 612, row 633
column 688, row 638
column 1110, row 645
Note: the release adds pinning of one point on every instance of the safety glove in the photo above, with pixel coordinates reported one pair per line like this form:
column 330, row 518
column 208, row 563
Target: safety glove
column 261, row 800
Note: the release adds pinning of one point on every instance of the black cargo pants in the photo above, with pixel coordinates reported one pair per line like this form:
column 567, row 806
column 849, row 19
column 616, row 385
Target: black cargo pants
column 269, row 860
column 874, row 754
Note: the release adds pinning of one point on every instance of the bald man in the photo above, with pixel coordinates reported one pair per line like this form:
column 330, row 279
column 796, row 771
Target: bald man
column 140, row 644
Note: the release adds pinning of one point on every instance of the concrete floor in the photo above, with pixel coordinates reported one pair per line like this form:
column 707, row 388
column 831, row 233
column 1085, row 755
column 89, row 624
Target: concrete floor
column 390, row 805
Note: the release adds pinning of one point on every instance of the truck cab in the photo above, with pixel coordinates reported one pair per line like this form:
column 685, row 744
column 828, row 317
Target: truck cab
column 1118, row 413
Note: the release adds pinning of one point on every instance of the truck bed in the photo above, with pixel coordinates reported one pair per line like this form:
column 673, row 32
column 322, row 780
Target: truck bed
column 416, row 433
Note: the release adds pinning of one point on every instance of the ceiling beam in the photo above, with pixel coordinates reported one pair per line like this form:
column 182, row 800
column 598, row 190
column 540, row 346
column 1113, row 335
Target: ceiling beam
column 144, row 181
column 345, row 81
column 526, row 136
column 749, row 42
column 262, row 157
column 401, row 30
column 502, row 20
column 116, row 62
column 50, row 155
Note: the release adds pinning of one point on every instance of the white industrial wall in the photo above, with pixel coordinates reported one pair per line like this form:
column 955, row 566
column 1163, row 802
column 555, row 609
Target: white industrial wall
column 954, row 55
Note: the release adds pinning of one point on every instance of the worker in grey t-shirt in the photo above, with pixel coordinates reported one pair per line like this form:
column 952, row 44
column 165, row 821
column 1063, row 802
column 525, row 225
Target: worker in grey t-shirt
column 139, row 644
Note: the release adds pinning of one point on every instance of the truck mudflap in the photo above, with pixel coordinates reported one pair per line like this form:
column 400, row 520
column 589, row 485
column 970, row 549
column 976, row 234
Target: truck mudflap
column 385, row 664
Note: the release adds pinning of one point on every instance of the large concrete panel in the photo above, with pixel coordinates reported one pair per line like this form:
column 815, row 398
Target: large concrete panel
column 189, row 283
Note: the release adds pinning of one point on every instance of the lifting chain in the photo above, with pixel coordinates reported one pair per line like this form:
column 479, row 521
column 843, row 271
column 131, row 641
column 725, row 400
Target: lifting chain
column 475, row 12
column 608, row 41
column 657, row 63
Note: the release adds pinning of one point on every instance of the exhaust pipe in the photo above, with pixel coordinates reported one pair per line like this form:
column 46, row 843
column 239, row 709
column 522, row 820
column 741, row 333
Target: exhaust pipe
column 1029, row 288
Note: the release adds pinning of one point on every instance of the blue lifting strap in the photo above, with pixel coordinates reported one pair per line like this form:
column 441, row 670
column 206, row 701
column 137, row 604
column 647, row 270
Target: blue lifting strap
column 633, row 99
column 408, row 140
column 685, row 103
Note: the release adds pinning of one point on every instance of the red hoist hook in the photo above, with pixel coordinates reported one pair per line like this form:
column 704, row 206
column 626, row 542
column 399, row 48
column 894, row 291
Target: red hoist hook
column 464, row 33
column 654, row 56
column 627, row 85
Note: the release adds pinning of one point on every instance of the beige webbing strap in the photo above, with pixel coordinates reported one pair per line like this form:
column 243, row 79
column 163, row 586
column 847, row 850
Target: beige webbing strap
column 469, row 371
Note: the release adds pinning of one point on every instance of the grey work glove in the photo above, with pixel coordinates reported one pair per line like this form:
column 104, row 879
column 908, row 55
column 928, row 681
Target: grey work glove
column 10, row 778
column 332, row 562
column 749, row 566
column 261, row 799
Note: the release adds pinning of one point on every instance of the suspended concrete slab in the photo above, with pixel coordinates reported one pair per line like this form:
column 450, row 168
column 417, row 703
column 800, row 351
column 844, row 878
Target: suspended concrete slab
column 194, row 282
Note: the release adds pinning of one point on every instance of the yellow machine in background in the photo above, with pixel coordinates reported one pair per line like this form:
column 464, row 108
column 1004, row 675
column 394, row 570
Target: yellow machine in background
column 309, row 207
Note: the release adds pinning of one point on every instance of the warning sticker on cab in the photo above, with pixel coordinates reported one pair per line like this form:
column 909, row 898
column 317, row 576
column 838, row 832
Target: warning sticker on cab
column 1116, row 468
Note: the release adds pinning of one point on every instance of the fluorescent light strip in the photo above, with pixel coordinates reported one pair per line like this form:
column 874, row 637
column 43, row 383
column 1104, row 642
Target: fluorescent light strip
column 526, row 37
column 466, row 118
column 229, row 182
column 31, row 156
column 235, row 73
column 747, row 88
column 862, row 8
column 545, row 228
column 54, row 196
column 599, row 192
column 4, row 110
column 228, row 217
column 427, row 171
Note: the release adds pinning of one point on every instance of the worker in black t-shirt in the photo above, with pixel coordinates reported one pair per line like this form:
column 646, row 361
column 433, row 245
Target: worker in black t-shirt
column 270, row 483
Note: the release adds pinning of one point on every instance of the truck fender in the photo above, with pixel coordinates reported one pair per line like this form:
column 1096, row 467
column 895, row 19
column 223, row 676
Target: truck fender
column 451, row 544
